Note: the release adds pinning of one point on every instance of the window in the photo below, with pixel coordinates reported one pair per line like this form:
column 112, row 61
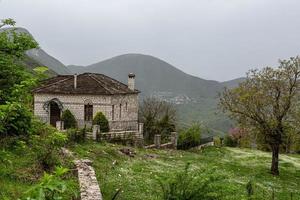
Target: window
column 88, row 112
column 120, row 114
column 113, row 112
column 126, row 106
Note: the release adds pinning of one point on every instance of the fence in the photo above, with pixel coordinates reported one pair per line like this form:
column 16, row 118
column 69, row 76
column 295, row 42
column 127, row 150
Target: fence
column 169, row 145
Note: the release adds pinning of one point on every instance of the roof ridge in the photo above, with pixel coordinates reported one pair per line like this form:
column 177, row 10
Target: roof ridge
column 43, row 87
column 100, row 82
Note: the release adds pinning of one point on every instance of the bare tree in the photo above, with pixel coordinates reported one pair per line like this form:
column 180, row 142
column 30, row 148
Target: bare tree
column 159, row 117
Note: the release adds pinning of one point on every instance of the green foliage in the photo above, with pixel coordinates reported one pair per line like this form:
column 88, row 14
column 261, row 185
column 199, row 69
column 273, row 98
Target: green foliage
column 190, row 137
column 47, row 145
column 51, row 186
column 77, row 136
column 8, row 22
column 69, row 119
column 268, row 101
column 101, row 120
column 217, row 141
column 159, row 117
column 12, row 48
column 15, row 119
column 190, row 186
column 229, row 141
column 249, row 189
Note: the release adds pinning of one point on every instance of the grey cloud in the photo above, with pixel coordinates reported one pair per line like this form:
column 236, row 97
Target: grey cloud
column 213, row 39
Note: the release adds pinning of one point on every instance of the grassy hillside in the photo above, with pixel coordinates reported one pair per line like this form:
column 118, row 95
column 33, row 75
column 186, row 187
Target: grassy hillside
column 139, row 177
column 19, row 171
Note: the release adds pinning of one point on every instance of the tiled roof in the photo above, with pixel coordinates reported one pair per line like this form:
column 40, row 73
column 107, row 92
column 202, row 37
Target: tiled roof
column 87, row 83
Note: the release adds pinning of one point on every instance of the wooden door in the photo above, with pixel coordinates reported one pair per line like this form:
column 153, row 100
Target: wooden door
column 54, row 113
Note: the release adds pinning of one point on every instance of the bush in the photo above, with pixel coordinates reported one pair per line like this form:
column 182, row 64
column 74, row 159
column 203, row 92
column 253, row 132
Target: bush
column 76, row 136
column 217, row 141
column 51, row 186
column 46, row 146
column 69, row 119
column 101, row 120
column 229, row 141
column 15, row 120
column 189, row 138
column 191, row 186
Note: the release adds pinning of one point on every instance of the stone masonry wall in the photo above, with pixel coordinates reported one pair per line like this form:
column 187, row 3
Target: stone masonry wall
column 101, row 103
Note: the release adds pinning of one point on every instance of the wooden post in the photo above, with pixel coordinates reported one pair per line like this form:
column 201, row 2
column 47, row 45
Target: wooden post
column 96, row 131
column 157, row 140
column 174, row 139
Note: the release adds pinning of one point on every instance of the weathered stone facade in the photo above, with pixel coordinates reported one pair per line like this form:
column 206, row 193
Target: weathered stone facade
column 121, row 110
column 125, row 108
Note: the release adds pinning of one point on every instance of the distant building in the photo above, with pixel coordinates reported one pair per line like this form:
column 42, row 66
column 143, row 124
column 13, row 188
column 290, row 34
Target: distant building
column 85, row 95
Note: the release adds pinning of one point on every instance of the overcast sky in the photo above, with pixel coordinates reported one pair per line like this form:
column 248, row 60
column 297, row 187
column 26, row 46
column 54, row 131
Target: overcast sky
column 212, row 39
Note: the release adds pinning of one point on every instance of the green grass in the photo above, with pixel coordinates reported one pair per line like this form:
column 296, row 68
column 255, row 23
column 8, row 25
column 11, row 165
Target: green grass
column 19, row 171
column 138, row 177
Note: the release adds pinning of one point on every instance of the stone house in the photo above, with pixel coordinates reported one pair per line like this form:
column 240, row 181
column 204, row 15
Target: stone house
column 85, row 95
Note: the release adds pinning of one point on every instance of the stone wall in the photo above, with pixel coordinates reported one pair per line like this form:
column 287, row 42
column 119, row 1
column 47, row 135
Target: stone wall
column 125, row 108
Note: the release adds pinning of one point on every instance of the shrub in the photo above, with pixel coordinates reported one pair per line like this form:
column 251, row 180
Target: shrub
column 191, row 186
column 229, row 141
column 190, row 137
column 101, row 120
column 69, row 119
column 75, row 135
column 217, row 141
column 51, row 186
column 46, row 146
column 15, row 120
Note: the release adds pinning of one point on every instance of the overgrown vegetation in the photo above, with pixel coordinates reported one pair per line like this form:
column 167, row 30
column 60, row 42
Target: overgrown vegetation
column 101, row 120
column 28, row 147
column 159, row 117
column 190, row 137
column 138, row 177
column 189, row 185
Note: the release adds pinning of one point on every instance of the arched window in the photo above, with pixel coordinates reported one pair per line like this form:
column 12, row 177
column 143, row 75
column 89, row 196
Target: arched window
column 88, row 110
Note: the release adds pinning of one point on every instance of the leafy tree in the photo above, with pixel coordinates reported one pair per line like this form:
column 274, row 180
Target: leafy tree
column 69, row 119
column 159, row 117
column 101, row 120
column 12, row 48
column 266, row 101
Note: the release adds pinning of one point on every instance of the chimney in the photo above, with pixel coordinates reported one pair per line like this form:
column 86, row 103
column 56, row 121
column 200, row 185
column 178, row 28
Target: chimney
column 75, row 81
column 131, row 81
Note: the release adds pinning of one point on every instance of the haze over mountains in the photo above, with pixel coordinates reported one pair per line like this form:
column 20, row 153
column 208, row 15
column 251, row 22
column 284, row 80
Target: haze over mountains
column 195, row 98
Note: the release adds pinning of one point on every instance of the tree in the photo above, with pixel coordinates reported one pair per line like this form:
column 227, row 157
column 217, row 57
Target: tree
column 12, row 49
column 266, row 102
column 159, row 117
column 69, row 119
column 101, row 120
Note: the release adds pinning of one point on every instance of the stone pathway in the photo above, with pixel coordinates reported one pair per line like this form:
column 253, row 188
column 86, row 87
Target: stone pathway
column 89, row 187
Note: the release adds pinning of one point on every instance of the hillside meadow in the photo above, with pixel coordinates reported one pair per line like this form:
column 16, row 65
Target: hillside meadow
column 141, row 176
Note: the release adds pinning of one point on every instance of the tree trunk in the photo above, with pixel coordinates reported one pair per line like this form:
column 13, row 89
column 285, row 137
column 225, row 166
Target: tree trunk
column 275, row 159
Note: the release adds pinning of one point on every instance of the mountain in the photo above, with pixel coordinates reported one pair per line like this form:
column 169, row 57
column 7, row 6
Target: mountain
column 38, row 57
column 195, row 98
column 233, row 83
